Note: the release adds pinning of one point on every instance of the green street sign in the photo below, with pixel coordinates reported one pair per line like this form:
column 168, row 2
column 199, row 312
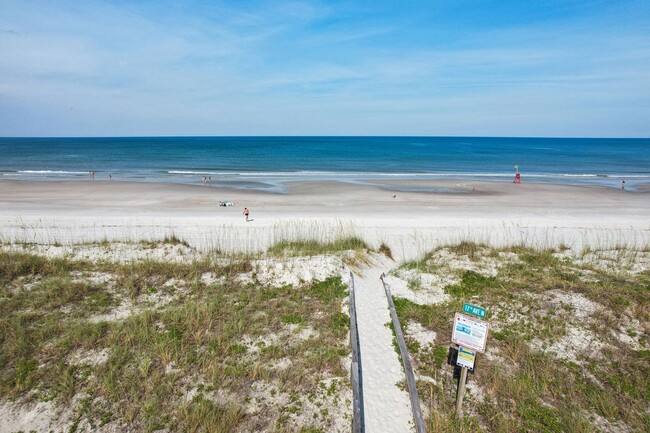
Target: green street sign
column 474, row 310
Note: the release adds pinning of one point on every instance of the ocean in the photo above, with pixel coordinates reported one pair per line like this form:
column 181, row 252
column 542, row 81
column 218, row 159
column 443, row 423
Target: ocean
column 267, row 163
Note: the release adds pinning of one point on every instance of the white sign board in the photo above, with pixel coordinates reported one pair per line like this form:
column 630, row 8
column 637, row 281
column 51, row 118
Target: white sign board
column 466, row 358
column 470, row 332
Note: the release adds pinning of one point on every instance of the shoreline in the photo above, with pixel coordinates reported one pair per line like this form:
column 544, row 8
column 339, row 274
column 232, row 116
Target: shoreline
column 68, row 212
column 278, row 182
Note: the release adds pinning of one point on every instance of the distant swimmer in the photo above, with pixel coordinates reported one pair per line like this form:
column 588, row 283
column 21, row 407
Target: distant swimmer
column 246, row 213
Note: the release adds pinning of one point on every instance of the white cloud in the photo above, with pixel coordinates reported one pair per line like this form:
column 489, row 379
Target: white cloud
column 94, row 68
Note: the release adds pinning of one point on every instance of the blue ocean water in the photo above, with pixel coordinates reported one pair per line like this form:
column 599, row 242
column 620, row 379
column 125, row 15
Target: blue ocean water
column 265, row 163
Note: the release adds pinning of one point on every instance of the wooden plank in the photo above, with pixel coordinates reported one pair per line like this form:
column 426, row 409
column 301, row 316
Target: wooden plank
column 406, row 361
column 358, row 420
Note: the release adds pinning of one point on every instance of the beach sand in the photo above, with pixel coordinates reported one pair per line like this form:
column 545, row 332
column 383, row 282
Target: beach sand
column 424, row 214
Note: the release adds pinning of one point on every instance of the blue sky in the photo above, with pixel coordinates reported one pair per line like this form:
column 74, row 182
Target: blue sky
column 448, row 67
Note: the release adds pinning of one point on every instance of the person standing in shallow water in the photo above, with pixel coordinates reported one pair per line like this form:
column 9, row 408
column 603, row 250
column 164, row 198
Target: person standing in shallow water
column 246, row 213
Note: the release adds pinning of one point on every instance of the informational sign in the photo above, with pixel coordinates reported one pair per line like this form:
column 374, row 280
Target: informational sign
column 470, row 332
column 465, row 358
column 474, row 310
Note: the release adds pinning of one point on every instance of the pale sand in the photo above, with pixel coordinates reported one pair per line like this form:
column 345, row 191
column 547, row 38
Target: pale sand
column 496, row 213
column 386, row 403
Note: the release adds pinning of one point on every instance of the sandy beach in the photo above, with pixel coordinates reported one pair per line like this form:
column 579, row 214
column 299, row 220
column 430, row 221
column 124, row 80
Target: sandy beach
column 411, row 216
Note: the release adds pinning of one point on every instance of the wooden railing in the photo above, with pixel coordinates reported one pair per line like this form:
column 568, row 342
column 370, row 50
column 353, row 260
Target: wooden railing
column 406, row 360
column 358, row 422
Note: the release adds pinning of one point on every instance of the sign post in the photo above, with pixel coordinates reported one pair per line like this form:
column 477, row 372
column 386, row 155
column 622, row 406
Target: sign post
column 460, row 392
column 470, row 334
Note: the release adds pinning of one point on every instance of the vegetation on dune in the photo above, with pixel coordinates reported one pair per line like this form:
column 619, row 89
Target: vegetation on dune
column 199, row 363
column 522, row 384
column 385, row 250
column 229, row 354
column 316, row 247
column 470, row 249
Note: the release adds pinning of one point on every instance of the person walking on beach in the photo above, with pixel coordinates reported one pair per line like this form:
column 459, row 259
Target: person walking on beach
column 246, row 213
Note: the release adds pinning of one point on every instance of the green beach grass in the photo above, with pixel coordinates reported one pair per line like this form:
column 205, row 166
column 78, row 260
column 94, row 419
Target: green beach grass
column 537, row 376
column 153, row 345
column 202, row 345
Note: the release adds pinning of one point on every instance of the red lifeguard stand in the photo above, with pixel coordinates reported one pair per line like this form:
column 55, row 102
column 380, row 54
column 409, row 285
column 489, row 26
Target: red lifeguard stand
column 517, row 176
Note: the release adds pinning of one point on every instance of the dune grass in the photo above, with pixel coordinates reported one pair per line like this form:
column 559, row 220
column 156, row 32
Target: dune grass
column 316, row 247
column 524, row 386
column 193, row 364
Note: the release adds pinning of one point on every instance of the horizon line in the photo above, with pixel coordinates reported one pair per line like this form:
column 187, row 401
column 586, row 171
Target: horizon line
column 321, row 136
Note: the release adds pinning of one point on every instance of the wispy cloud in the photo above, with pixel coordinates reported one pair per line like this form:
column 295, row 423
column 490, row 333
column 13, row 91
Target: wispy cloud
column 288, row 67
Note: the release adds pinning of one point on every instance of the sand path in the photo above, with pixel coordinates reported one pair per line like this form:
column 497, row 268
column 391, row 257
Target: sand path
column 387, row 407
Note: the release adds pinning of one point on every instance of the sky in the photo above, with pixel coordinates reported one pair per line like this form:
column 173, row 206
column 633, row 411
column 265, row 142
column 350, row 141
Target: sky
column 433, row 68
